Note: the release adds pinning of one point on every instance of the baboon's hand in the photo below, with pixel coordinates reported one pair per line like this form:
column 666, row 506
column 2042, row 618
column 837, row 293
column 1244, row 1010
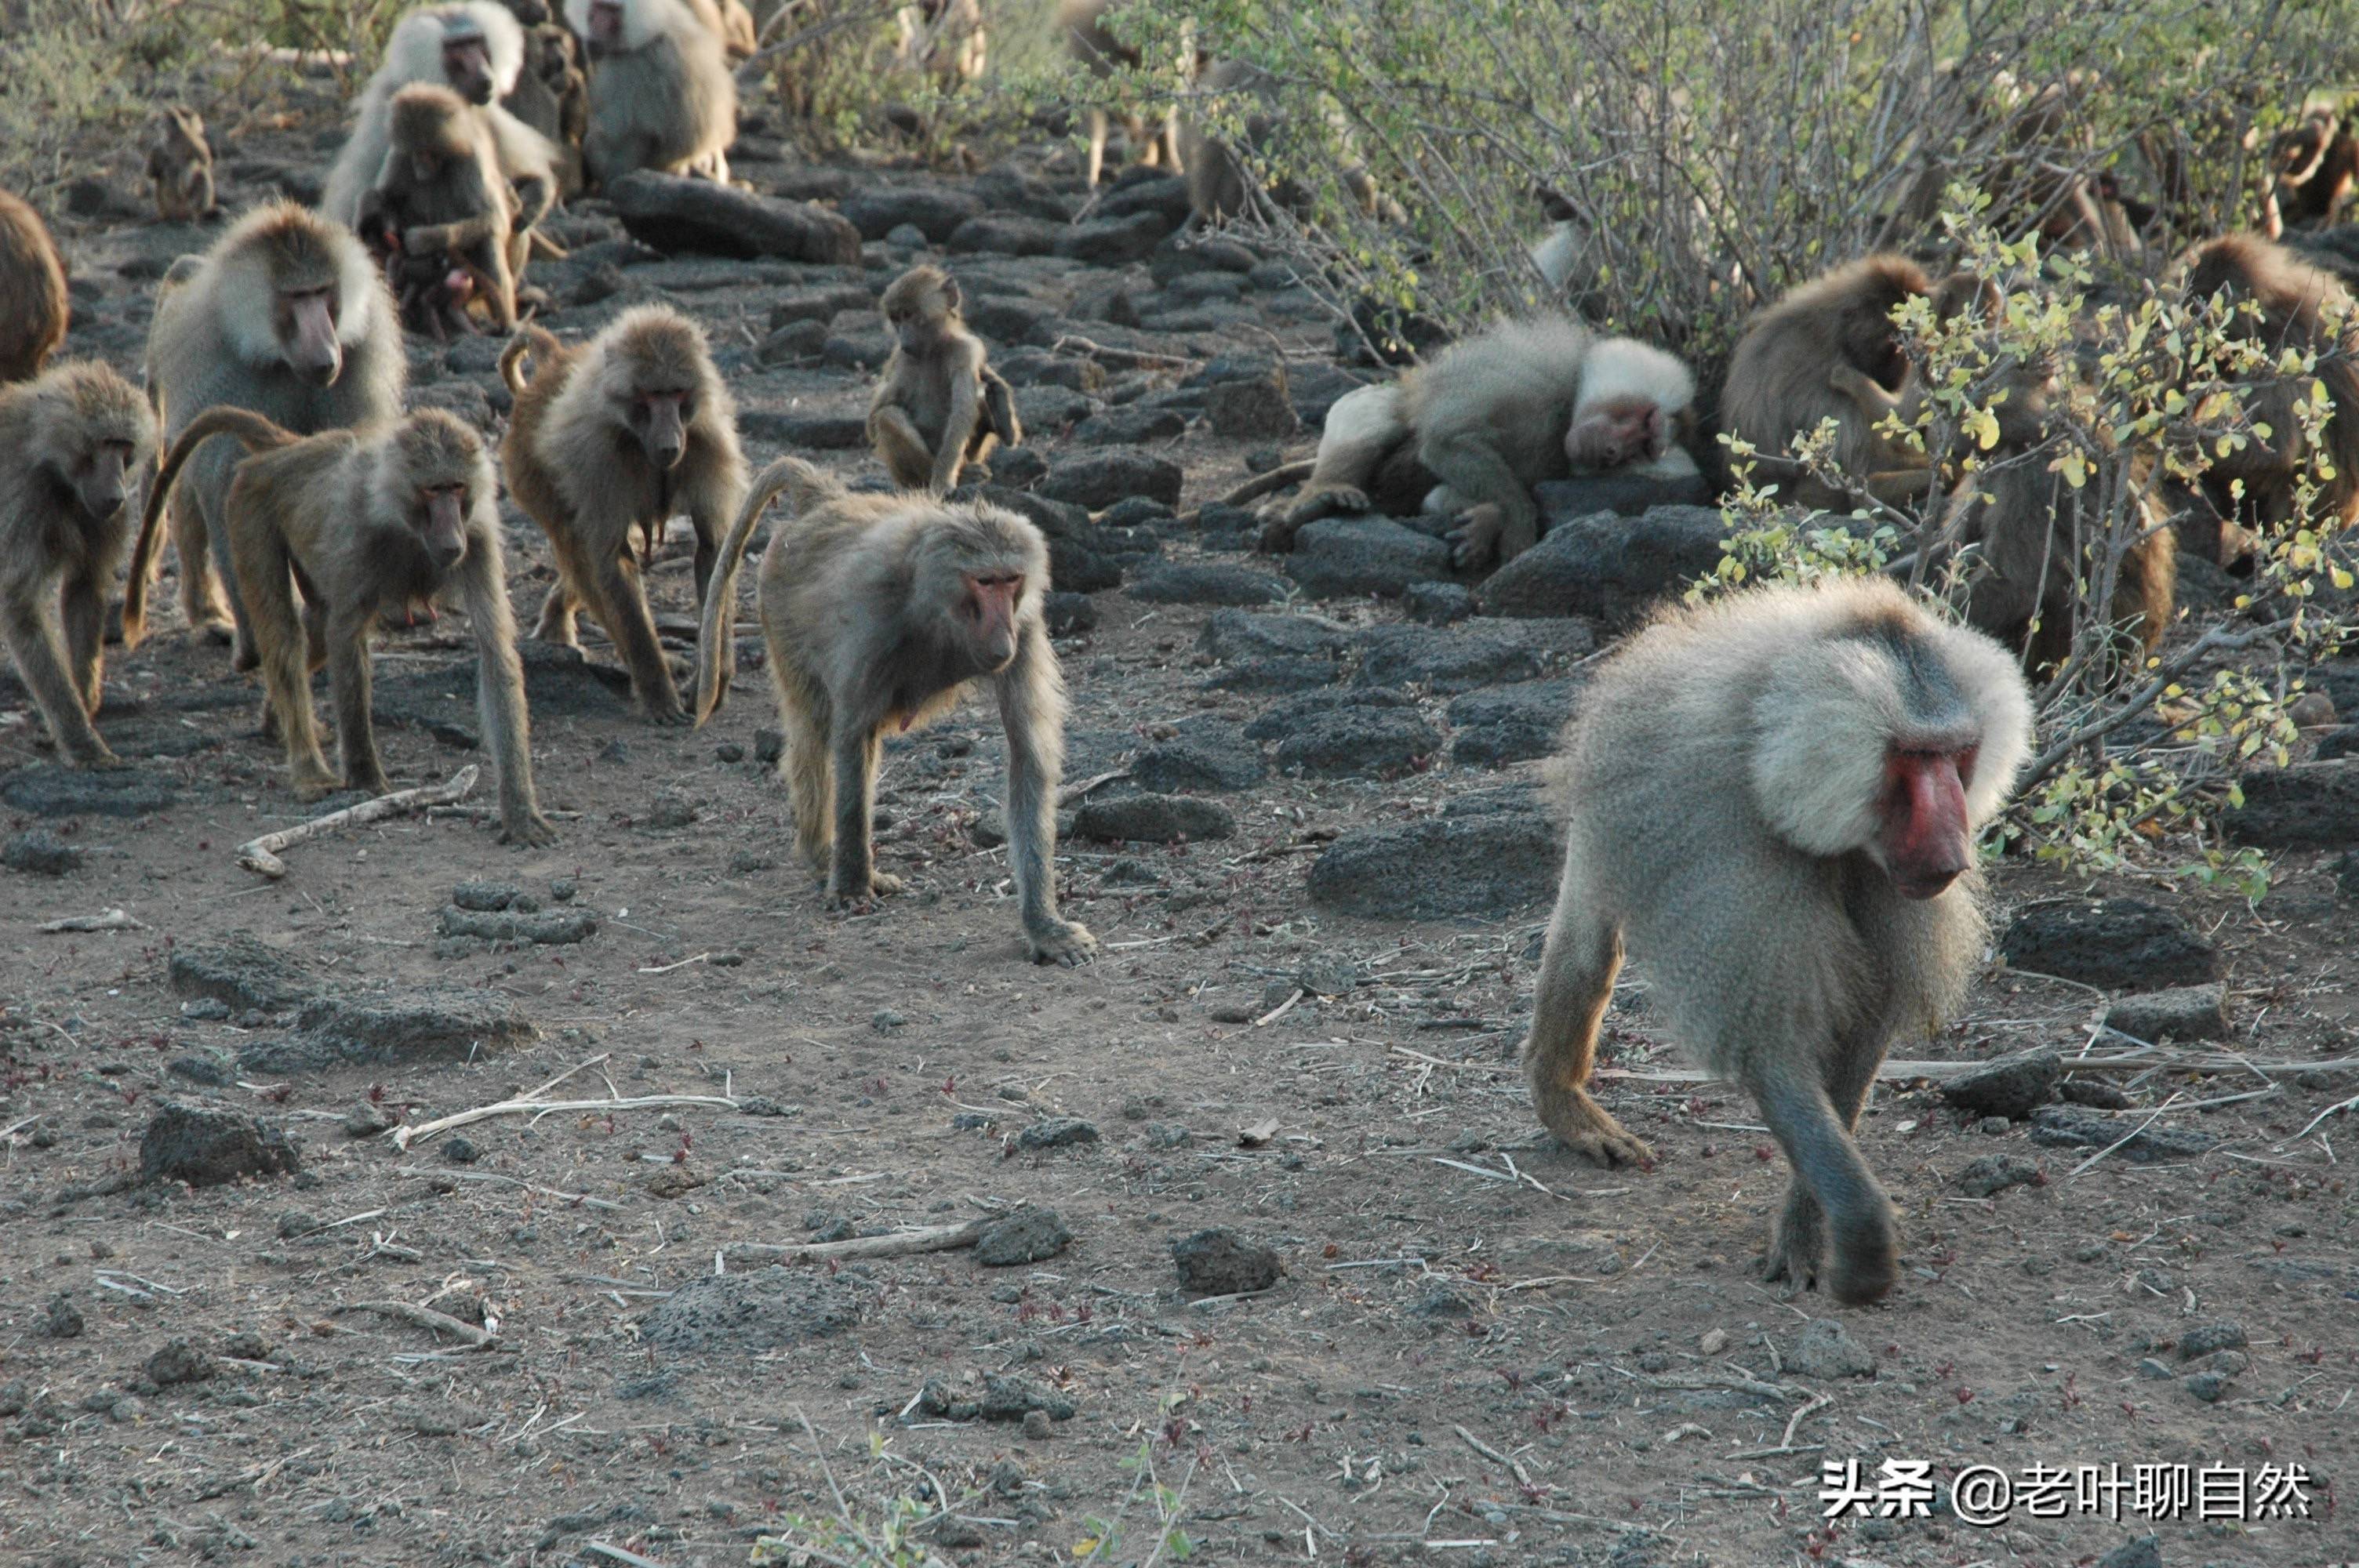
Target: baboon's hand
column 1475, row 543
column 1064, row 942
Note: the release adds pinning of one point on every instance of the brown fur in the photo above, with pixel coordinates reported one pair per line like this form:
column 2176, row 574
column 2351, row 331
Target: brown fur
column 943, row 38
column 180, row 167
column 2289, row 293
column 660, row 93
column 1727, row 777
column 584, row 456
column 33, row 304
column 938, row 405
column 441, row 205
column 552, row 97
column 72, row 442
column 229, row 331
column 1101, row 54
column 334, row 535
column 867, row 604
column 2313, row 167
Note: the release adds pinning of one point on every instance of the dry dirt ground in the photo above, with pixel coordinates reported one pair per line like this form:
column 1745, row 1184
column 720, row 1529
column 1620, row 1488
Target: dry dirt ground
column 1477, row 1351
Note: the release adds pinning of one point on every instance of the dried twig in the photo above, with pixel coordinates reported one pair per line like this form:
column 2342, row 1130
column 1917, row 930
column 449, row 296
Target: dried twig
column 1487, row 1452
column 104, row 920
column 531, row 1105
column 260, row 856
column 899, row 1244
column 475, row 1338
column 1121, row 359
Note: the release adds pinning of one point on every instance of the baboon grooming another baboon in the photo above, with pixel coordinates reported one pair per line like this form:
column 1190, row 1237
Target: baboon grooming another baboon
column 70, row 444
column 660, row 93
column 180, row 167
column 1101, row 54
column 938, row 406
column 33, row 303
column 1774, row 797
column 438, row 205
column 626, row 433
column 286, row 316
column 880, row 611
column 338, row 533
column 1516, row 404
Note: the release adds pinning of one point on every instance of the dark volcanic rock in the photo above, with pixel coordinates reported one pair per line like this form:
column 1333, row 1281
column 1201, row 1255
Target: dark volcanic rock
column 547, row 927
column 1260, row 408
column 1610, row 567
column 1220, row 1262
column 207, row 1146
column 181, row 1362
column 1207, row 754
column 1288, row 717
column 1276, row 674
column 1114, row 242
column 2183, row 1012
column 46, row 789
column 823, row 304
column 402, row 1026
column 1007, row 236
column 2012, row 1086
column 243, row 973
column 675, row 215
column 1057, row 1132
column 2069, row 1127
column 1994, row 1173
column 1165, row 194
column 1098, row 479
column 2312, row 805
column 40, row 853
column 769, row 1309
column 2120, row 943
column 1209, row 582
column 1233, row 635
column 1437, row 603
column 1499, row 725
column 1347, row 557
column 1153, row 820
column 1358, row 743
column 1069, row 612
column 1621, row 491
column 1029, row 367
column 1002, row 1397
column 1029, row 1235
column 1135, row 426
column 1488, row 857
column 936, row 210
column 1471, row 653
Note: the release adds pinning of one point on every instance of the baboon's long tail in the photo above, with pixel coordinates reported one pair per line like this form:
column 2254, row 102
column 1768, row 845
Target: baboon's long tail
column 251, row 430
column 716, row 640
column 538, row 341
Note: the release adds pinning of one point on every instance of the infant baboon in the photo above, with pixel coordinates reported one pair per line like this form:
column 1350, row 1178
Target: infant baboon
column 626, row 433
column 180, row 167
column 1101, row 54
column 441, row 203
column 336, row 534
column 72, row 442
column 286, row 316
column 660, row 93
column 33, row 304
column 938, row 405
column 1774, row 797
column 1516, row 404
column 880, row 612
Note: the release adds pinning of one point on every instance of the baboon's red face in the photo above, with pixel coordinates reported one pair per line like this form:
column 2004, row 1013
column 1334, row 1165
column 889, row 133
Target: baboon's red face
column 307, row 333
column 467, row 65
column 986, row 614
column 1923, row 842
column 606, row 26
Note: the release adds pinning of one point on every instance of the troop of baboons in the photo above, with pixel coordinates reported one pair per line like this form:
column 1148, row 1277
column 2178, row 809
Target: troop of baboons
column 1823, row 758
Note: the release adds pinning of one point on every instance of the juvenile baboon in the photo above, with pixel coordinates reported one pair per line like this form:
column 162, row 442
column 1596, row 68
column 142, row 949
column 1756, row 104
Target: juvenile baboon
column 1778, row 383
column 2292, row 299
column 1490, row 416
column 286, row 315
column 939, row 406
column 626, row 433
column 336, row 534
column 2313, row 167
column 881, row 612
column 1774, row 797
column 441, row 201
column 943, row 38
column 552, row 96
column 72, row 442
column 473, row 47
column 660, row 93
column 181, row 166
column 33, row 304
column 1103, row 54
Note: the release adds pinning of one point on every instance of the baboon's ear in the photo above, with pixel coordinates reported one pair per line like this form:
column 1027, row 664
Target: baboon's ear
column 951, row 293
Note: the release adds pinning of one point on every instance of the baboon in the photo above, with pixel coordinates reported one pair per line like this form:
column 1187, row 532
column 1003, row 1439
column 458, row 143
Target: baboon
column 628, row 432
column 552, row 97
column 731, row 23
column 1083, row 22
column 1221, row 185
column 660, row 93
column 943, row 38
column 286, row 315
column 2039, row 537
column 441, row 201
column 33, row 304
column 71, row 443
column 1516, row 404
column 476, row 50
column 1778, row 383
column 2313, row 167
column 2292, row 299
column 336, row 534
column 1774, row 797
column 881, row 612
column 180, row 167
column 939, row 406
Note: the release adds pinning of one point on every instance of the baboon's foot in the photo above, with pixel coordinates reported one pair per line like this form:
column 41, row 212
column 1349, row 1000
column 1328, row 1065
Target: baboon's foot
column 1585, row 1127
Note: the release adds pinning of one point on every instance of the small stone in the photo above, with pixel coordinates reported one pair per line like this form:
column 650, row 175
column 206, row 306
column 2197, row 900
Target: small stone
column 2139, row 1551
column 2205, row 1385
column 1994, row 1173
column 1057, row 1132
column 1153, row 818
column 1827, row 1350
column 671, row 811
column 1038, row 1426
column 885, row 1021
column 562, row 889
column 2183, row 1013
column 206, row 1146
column 205, row 1009
column 2205, row 1339
column 367, row 1120
column 1030, row 1235
column 180, row 1362
column 2149, row 1368
column 461, row 1152
column 2011, row 1085
column 729, row 752
column 486, row 896
column 61, row 1319
column 1714, row 1341
column 2092, row 1092
column 1220, row 1262
column 40, row 853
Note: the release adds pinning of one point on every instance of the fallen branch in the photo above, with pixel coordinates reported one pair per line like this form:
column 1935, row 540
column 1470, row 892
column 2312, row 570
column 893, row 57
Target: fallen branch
column 1121, row 359
column 1487, row 1452
column 475, row 1338
column 104, row 920
column 531, row 1105
column 260, row 856
column 899, row 1244
column 1068, row 793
